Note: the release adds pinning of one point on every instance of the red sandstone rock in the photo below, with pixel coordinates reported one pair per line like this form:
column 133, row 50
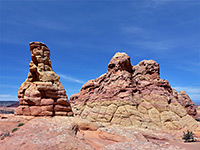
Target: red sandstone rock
column 42, row 94
column 132, row 96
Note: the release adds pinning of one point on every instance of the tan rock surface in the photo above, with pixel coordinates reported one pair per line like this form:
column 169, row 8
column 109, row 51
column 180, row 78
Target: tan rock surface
column 42, row 94
column 132, row 96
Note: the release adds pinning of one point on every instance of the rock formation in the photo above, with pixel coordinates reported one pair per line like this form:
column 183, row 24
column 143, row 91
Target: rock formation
column 132, row 96
column 188, row 104
column 42, row 94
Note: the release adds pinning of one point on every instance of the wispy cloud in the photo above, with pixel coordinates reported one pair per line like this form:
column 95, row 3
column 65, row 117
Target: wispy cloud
column 6, row 97
column 145, row 38
column 12, row 41
column 189, row 67
column 8, row 86
column 188, row 89
column 133, row 29
column 155, row 3
column 39, row 22
column 154, row 40
column 154, row 46
column 71, row 79
column 53, row 26
column 193, row 92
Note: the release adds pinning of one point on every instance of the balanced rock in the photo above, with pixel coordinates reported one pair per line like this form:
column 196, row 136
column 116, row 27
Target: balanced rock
column 42, row 94
column 131, row 96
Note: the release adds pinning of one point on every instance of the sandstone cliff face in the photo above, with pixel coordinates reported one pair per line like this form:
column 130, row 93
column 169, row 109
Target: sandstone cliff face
column 131, row 96
column 42, row 94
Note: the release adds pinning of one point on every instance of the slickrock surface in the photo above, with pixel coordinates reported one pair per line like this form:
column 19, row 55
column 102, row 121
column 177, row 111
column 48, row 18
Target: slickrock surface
column 69, row 133
column 119, row 138
column 42, row 133
column 132, row 96
column 72, row 133
column 42, row 94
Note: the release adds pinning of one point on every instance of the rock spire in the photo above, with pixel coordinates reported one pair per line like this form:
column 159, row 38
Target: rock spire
column 42, row 94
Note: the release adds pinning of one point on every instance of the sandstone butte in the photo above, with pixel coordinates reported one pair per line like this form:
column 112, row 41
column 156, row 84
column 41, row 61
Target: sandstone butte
column 42, row 94
column 134, row 96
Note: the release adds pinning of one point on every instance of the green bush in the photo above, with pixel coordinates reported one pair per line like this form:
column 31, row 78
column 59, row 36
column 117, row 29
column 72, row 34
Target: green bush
column 15, row 129
column 21, row 124
column 188, row 137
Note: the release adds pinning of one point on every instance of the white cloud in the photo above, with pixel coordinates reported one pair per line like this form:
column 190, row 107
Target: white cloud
column 146, row 38
column 133, row 29
column 193, row 92
column 154, row 46
column 8, row 86
column 50, row 25
column 188, row 89
column 189, row 67
column 153, row 3
column 68, row 78
column 6, row 97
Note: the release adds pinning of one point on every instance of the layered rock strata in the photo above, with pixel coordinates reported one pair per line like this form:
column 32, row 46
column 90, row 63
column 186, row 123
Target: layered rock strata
column 131, row 96
column 42, row 94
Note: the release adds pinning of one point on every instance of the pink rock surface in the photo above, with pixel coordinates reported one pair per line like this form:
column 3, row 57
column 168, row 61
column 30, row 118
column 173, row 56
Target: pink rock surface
column 42, row 133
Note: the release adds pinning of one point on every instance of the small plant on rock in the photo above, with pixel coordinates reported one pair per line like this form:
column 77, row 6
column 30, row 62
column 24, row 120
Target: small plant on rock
column 5, row 135
column 188, row 137
column 15, row 129
column 21, row 124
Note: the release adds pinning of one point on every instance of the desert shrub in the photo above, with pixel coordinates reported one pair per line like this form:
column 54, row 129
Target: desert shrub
column 188, row 137
column 5, row 135
column 15, row 129
column 21, row 124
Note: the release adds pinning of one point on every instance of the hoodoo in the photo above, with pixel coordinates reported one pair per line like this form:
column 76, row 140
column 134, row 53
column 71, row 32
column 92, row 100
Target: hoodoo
column 133, row 96
column 42, row 94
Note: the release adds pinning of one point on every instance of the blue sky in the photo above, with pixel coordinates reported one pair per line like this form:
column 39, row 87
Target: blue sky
column 84, row 35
